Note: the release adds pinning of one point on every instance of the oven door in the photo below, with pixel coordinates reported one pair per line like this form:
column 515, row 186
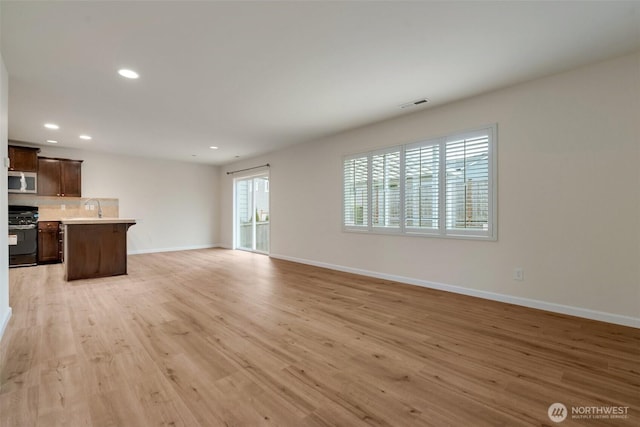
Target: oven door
column 23, row 239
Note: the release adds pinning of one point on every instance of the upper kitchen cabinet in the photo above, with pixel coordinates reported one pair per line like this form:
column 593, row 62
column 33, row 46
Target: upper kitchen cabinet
column 23, row 159
column 59, row 177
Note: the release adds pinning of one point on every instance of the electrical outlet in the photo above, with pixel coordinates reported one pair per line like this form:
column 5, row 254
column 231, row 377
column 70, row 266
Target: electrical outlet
column 63, row 207
column 518, row 274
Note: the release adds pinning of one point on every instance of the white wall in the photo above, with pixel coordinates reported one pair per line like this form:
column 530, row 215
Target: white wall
column 568, row 196
column 175, row 203
column 5, row 310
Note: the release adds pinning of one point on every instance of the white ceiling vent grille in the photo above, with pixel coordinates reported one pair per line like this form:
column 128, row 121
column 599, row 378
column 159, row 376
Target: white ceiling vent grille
column 416, row 103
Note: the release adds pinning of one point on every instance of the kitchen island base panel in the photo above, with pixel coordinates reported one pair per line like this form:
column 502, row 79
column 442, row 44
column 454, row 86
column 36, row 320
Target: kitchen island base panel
column 95, row 250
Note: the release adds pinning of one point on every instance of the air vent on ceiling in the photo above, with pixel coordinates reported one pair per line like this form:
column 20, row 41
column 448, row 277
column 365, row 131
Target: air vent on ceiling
column 414, row 103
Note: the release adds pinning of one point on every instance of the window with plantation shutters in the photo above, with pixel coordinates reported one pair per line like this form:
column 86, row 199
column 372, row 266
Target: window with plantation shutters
column 385, row 189
column 421, row 187
column 356, row 192
column 442, row 187
column 467, row 182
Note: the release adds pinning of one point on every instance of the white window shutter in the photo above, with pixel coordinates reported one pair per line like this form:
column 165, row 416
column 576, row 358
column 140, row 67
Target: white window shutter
column 356, row 192
column 467, row 183
column 421, row 191
column 385, row 189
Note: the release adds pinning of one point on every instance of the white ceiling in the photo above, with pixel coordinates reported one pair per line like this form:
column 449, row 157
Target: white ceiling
column 251, row 77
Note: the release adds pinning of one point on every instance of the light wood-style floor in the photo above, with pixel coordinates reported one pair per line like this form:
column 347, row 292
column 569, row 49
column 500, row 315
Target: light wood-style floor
column 228, row 338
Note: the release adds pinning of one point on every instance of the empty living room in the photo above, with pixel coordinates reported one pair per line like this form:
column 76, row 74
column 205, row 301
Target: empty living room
column 320, row 213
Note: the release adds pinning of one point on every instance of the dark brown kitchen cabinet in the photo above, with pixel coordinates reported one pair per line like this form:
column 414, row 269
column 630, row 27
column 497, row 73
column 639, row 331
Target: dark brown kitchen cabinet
column 23, row 159
column 95, row 249
column 59, row 177
column 49, row 242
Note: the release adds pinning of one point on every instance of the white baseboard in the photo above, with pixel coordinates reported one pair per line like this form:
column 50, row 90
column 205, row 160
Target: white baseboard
column 174, row 249
column 4, row 322
column 526, row 302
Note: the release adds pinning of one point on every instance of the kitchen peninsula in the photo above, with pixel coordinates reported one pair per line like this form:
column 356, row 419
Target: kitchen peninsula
column 95, row 247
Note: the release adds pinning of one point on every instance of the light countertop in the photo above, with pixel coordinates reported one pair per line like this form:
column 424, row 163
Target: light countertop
column 94, row 220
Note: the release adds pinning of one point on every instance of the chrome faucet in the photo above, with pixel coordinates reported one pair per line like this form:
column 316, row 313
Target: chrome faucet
column 99, row 207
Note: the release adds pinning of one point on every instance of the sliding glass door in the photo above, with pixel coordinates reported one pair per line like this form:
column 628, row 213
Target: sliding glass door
column 252, row 214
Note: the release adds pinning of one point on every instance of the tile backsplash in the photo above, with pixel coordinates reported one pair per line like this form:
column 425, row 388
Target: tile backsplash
column 56, row 208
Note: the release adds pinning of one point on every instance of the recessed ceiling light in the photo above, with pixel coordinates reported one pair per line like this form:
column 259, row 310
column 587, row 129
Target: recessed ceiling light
column 51, row 126
column 213, row 147
column 86, row 137
column 130, row 74
column 51, row 141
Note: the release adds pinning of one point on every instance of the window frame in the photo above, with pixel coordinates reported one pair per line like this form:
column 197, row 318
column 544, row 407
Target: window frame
column 491, row 233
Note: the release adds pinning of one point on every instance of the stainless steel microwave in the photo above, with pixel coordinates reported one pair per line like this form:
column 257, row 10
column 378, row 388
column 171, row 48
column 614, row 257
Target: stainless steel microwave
column 23, row 182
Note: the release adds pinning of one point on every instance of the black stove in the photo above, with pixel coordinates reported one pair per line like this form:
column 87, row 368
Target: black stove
column 23, row 235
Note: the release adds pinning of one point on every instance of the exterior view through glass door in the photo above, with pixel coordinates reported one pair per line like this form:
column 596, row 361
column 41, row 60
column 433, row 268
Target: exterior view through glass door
column 252, row 214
